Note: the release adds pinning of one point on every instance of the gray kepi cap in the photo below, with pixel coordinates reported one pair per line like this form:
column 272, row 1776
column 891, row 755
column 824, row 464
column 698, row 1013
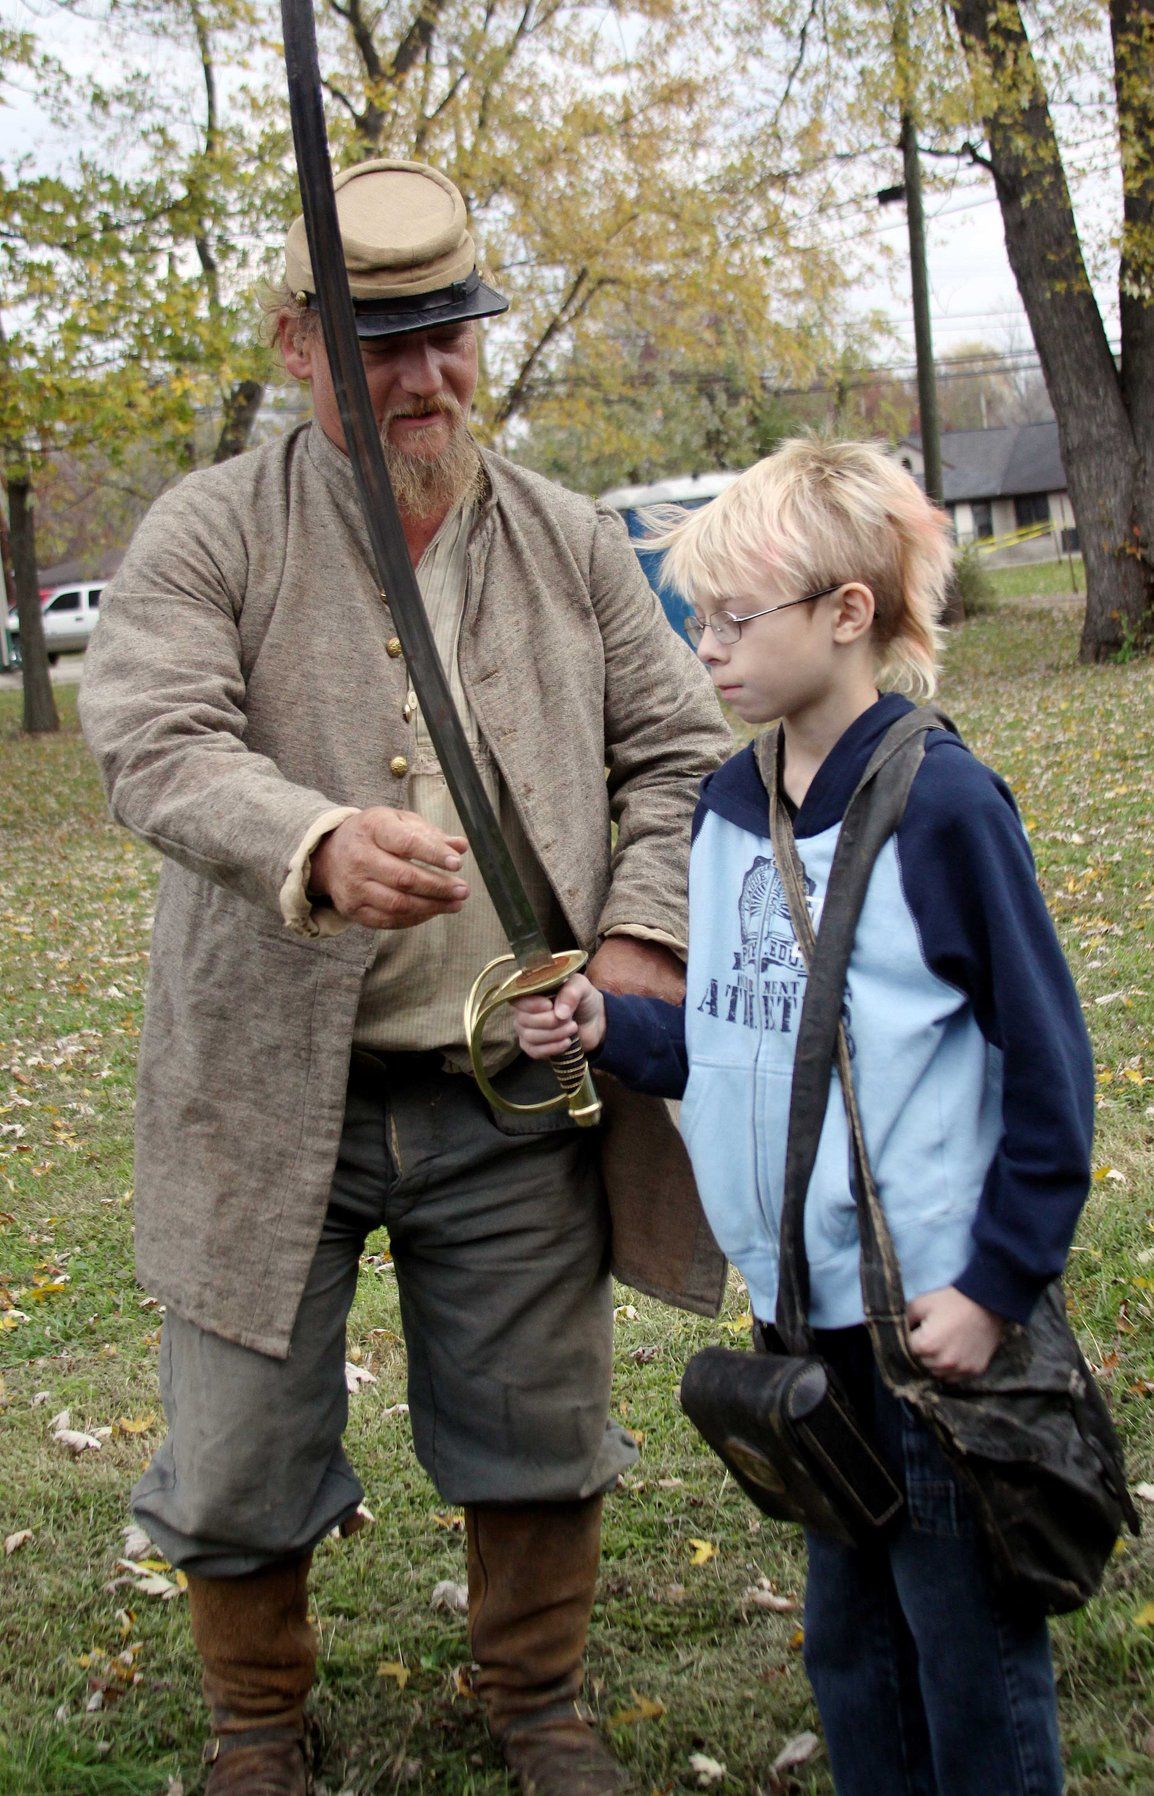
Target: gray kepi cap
column 408, row 252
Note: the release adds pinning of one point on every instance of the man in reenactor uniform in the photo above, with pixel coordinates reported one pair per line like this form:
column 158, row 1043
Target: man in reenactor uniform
column 303, row 1078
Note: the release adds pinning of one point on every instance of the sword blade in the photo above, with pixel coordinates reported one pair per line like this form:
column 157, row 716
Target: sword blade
column 394, row 569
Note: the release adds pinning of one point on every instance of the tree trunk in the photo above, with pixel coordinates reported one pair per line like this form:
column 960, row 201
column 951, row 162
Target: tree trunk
column 1109, row 497
column 9, row 586
column 242, row 403
column 1132, row 40
column 40, row 716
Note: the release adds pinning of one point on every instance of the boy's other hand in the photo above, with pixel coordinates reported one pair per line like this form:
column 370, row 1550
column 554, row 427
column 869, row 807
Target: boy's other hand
column 953, row 1336
column 546, row 1025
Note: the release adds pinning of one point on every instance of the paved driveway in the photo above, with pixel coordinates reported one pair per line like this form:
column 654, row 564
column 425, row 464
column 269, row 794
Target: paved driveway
column 65, row 673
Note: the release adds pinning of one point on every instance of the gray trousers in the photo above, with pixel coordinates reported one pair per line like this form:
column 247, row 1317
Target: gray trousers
column 499, row 1237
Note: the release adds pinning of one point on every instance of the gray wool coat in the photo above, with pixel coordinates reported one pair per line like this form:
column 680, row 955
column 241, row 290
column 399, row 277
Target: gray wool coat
column 238, row 687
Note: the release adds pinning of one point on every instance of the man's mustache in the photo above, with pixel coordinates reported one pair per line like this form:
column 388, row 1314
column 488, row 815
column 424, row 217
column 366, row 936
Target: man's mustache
column 442, row 403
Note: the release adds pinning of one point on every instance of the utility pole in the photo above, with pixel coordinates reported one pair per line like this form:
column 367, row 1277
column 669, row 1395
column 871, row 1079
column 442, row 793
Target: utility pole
column 9, row 592
column 920, row 287
column 910, row 191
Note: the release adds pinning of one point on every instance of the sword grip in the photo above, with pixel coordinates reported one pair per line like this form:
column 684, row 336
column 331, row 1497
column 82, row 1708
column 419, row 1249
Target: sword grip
column 576, row 1081
column 490, row 990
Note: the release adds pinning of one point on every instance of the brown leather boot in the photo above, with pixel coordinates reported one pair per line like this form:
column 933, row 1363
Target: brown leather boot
column 532, row 1576
column 259, row 1655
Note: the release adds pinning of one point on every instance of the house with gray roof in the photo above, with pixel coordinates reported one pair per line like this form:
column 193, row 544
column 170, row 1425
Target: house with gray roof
column 996, row 482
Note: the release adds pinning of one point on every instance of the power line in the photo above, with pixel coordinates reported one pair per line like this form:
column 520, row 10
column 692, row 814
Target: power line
column 974, row 367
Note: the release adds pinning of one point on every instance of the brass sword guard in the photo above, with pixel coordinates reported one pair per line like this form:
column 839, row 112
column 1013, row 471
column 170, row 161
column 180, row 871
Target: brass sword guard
column 490, row 990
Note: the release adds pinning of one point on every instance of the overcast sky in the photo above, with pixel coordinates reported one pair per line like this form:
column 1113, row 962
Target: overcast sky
column 973, row 293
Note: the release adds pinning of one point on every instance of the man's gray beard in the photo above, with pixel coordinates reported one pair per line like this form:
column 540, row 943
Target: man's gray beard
column 425, row 488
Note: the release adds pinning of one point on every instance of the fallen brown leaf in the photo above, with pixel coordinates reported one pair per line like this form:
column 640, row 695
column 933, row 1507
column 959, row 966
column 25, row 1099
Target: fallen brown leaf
column 642, row 1708
column 145, row 1579
column 762, row 1595
column 461, row 1683
column 706, row 1770
column 135, row 1424
column 454, row 1598
column 73, row 1438
column 362, row 1517
column 51, row 1288
column 796, row 1752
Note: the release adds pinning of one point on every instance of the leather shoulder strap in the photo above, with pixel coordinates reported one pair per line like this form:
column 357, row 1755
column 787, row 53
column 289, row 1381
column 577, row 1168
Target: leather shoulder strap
column 873, row 813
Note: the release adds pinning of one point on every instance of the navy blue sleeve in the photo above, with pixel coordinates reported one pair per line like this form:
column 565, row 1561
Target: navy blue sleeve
column 969, row 879
column 644, row 1045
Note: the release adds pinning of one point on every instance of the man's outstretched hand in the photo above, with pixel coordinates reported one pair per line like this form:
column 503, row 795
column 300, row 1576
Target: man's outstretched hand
column 389, row 869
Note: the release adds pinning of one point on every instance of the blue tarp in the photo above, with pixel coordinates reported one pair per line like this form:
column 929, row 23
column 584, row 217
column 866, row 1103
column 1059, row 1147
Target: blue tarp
column 676, row 607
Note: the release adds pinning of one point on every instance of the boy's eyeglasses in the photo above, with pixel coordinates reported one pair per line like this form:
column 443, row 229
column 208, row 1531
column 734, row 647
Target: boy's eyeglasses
column 727, row 627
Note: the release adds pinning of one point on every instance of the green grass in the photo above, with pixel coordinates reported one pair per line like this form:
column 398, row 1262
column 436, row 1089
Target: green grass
column 1078, row 746
column 1037, row 579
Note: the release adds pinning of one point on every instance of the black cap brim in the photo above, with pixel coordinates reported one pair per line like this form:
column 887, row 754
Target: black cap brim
column 428, row 311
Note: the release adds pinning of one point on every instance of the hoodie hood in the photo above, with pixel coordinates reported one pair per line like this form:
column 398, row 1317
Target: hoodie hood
column 737, row 792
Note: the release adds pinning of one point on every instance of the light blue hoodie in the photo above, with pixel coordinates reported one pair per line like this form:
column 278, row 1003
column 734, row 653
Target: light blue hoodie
column 971, row 1062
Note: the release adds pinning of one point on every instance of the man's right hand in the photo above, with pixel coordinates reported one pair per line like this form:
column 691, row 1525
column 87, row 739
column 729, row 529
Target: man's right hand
column 389, row 869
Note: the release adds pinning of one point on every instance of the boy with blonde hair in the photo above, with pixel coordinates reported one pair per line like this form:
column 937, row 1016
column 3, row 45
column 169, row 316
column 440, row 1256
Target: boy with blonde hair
column 817, row 578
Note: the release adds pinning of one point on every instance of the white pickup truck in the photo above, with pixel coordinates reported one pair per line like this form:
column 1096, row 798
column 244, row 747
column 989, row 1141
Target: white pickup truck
column 70, row 615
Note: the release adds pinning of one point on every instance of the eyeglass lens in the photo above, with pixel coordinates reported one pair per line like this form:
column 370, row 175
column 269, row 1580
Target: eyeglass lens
column 724, row 626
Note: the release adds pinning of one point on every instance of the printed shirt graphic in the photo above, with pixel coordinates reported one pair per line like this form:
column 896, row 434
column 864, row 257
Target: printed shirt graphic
column 767, row 987
column 767, row 979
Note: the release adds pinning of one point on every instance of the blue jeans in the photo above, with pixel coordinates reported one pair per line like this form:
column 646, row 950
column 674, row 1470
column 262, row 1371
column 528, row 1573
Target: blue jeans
column 926, row 1684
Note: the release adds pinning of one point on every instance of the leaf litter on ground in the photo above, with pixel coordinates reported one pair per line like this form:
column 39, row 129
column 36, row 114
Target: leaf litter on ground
column 75, row 1439
column 706, row 1771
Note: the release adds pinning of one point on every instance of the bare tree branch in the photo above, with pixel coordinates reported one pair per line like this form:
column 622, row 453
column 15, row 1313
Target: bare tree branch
column 506, row 58
column 341, row 98
column 795, row 71
column 968, row 152
column 578, row 298
column 418, row 38
column 430, row 118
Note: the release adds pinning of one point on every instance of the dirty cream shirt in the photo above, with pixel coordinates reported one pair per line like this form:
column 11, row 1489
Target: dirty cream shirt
column 414, row 992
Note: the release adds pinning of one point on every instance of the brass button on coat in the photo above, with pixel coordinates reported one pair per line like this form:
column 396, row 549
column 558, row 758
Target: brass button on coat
column 398, row 767
column 393, row 646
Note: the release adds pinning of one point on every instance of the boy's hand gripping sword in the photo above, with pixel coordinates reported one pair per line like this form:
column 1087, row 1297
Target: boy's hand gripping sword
column 530, row 966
